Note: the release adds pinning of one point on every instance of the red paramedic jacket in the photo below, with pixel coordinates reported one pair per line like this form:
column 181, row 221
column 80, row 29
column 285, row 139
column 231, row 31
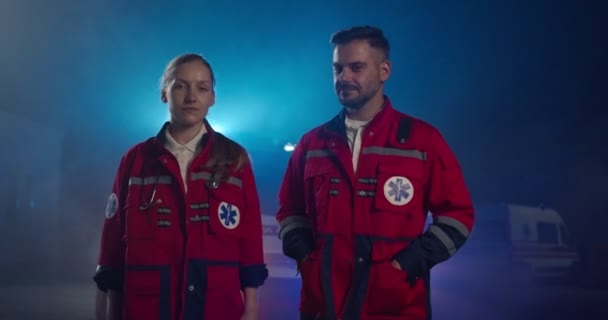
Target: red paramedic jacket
column 351, row 226
column 177, row 255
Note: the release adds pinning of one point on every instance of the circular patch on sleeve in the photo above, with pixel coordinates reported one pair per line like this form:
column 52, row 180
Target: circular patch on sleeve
column 398, row 190
column 112, row 206
column 229, row 215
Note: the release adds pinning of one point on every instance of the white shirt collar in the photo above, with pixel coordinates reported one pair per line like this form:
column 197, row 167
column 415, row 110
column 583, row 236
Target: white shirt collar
column 191, row 145
column 355, row 124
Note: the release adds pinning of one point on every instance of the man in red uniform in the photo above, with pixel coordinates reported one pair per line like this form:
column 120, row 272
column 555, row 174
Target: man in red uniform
column 356, row 193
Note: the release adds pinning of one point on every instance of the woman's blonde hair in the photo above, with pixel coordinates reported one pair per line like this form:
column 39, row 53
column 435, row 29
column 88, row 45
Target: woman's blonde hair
column 226, row 155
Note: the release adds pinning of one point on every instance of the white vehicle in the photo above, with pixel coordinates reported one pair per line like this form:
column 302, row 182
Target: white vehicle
column 524, row 238
column 279, row 265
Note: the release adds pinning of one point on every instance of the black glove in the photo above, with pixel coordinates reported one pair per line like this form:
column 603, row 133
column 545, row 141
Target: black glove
column 298, row 243
column 109, row 279
column 413, row 262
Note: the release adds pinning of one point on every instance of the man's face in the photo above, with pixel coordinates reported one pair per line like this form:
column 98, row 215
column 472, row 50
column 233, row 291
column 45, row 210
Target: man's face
column 190, row 94
column 359, row 72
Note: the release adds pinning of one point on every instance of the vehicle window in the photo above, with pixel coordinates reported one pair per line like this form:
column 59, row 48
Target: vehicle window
column 564, row 234
column 547, row 232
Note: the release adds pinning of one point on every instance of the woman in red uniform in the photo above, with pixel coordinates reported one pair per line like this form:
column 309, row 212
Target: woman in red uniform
column 182, row 237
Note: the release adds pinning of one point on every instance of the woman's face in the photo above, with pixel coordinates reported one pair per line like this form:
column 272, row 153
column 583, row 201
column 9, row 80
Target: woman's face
column 189, row 94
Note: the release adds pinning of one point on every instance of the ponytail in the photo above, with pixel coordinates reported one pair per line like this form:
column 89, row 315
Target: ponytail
column 226, row 157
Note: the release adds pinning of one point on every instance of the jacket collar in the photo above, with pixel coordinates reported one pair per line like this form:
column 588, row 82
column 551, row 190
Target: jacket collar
column 337, row 126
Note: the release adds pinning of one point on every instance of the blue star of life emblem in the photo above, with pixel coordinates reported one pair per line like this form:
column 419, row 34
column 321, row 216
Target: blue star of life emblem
column 398, row 190
column 229, row 215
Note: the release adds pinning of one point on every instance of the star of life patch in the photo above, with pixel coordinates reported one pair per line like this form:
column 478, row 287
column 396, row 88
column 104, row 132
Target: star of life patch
column 112, row 206
column 398, row 190
column 229, row 215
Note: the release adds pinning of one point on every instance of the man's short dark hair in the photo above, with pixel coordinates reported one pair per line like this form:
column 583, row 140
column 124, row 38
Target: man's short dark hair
column 373, row 35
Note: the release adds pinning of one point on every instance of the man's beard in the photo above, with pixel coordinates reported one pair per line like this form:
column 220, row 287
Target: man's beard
column 358, row 102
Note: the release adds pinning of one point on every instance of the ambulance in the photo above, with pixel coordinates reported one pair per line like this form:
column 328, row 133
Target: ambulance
column 279, row 265
column 531, row 240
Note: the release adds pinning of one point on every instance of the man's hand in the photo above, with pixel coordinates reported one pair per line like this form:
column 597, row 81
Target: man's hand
column 411, row 279
column 396, row 264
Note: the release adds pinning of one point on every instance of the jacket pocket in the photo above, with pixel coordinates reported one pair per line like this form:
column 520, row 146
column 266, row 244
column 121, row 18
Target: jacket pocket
column 147, row 293
column 390, row 295
column 398, row 210
column 320, row 191
column 312, row 295
column 225, row 226
column 226, row 207
column 399, row 187
column 140, row 209
column 223, row 298
column 222, row 304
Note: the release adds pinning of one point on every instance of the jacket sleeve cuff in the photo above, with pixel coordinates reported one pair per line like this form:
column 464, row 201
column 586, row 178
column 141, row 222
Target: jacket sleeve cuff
column 253, row 276
column 298, row 243
column 109, row 279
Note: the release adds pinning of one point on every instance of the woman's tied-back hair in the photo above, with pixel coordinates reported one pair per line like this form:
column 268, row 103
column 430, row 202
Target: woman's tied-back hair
column 226, row 155
column 169, row 74
column 373, row 35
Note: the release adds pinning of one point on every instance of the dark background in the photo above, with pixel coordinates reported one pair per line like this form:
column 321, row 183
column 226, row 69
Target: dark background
column 518, row 89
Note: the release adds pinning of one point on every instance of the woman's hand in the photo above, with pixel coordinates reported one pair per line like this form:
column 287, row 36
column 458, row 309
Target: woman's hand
column 250, row 296
column 250, row 314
